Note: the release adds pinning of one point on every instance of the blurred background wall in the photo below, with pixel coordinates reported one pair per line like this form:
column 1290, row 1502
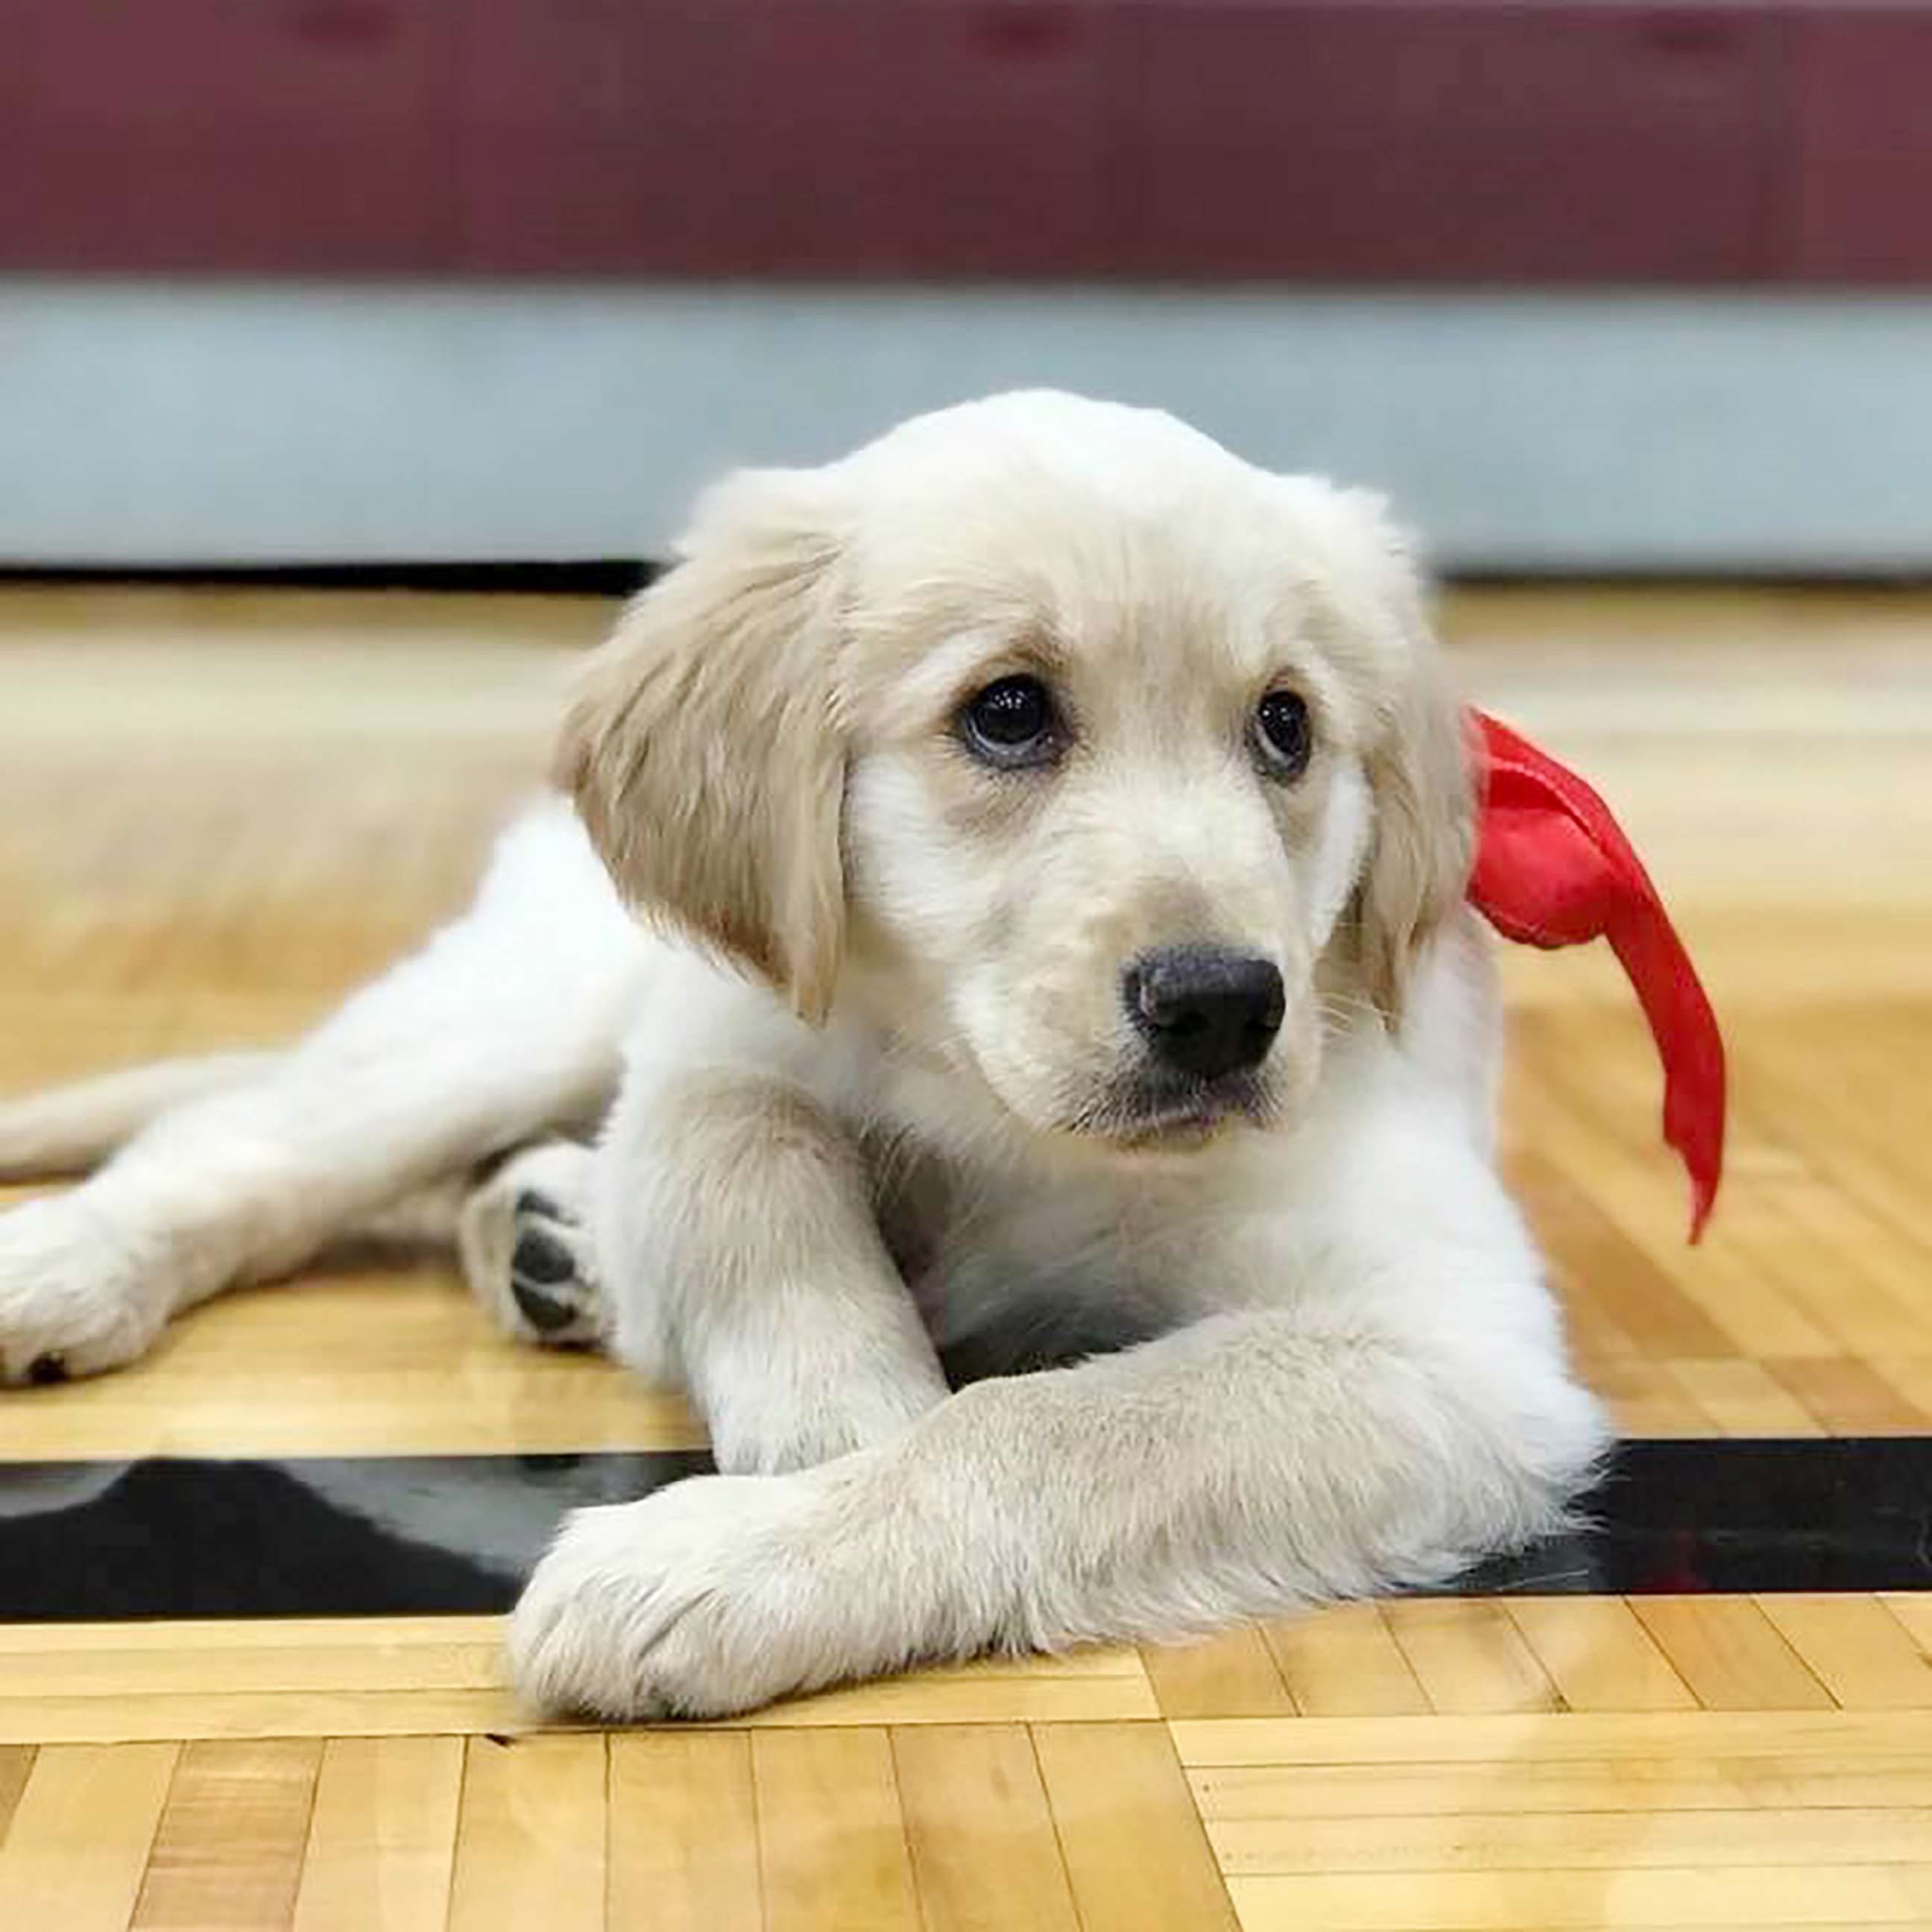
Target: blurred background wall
column 1589, row 285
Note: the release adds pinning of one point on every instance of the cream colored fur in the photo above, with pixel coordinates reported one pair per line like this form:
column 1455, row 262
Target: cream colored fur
column 871, row 1085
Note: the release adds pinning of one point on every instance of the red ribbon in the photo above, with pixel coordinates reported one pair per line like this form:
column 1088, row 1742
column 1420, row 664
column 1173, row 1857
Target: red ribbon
column 1554, row 869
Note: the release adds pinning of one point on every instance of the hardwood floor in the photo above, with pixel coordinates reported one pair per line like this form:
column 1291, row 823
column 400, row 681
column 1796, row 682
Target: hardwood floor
column 219, row 810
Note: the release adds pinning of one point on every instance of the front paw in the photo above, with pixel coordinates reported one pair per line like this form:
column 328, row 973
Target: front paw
column 74, row 1299
column 711, row 1597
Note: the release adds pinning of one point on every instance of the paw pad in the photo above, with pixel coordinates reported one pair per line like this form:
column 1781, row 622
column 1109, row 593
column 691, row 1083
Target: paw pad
column 540, row 1259
column 525, row 1250
column 546, row 1280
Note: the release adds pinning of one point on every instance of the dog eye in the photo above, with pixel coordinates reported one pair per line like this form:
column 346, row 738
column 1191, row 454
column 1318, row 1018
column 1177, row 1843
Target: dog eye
column 1284, row 735
column 1011, row 722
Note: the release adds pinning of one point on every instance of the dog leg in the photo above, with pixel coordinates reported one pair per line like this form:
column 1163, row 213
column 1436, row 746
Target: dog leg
column 74, row 1128
column 1244, row 1468
column 734, row 1226
column 1404, row 1409
column 505, row 1026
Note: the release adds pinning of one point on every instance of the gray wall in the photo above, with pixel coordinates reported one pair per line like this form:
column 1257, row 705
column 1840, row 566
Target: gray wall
column 209, row 423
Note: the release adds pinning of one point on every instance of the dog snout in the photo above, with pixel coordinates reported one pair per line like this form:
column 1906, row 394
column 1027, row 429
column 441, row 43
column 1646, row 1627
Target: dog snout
column 1205, row 1010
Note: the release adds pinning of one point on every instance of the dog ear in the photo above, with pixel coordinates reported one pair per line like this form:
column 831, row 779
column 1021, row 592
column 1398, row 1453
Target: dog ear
column 702, row 747
column 1414, row 742
column 1423, row 836
column 1422, row 840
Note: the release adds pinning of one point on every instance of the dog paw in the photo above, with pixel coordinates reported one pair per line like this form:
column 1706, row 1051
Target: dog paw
column 74, row 1298
column 715, row 1595
column 526, row 1252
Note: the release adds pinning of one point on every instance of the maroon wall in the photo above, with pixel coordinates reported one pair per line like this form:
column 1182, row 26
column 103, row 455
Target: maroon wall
column 1463, row 140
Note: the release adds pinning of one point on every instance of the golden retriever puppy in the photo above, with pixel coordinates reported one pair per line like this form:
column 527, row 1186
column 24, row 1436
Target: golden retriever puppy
column 1012, row 922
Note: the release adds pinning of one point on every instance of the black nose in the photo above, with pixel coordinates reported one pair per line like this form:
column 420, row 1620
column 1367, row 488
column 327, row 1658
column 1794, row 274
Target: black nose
column 1204, row 1010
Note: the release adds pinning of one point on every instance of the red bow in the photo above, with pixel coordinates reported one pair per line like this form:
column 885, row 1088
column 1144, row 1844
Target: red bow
column 1554, row 869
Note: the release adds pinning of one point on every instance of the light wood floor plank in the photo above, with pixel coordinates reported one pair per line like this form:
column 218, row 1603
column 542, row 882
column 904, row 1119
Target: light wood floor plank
column 1826, row 1279
column 1646, row 1401
column 1912, row 1376
column 1743, row 1398
column 832, row 1839
column 1831, row 1897
column 1554, row 1737
column 184, row 1715
column 16, row 1762
column 80, row 1841
column 382, row 1840
column 320, row 1678
column 1850, row 1397
column 205, row 1650
column 1621, row 1840
column 1133, row 1843
column 1863, row 1279
column 1859, row 1131
column 1598, row 1655
column 1857, row 1649
column 530, row 1837
column 1913, row 1609
column 1916, row 1879
column 1233, row 1676
column 1608, row 1270
column 1730, row 1654
column 986, row 1857
column 1469, row 1657
column 938, row 1698
column 229, row 1851
column 1344, row 1662
column 413, row 1370
column 1754, row 1314
column 684, row 1836
column 351, row 1659
column 1563, row 1786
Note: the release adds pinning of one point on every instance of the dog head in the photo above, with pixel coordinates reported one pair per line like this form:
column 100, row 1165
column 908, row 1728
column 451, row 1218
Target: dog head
column 1098, row 765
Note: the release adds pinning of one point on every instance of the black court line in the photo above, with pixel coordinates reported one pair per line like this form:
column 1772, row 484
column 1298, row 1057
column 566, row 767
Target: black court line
column 418, row 1535
column 562, row 577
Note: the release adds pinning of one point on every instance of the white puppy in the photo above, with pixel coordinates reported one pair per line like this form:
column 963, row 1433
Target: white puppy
column 1053, row 832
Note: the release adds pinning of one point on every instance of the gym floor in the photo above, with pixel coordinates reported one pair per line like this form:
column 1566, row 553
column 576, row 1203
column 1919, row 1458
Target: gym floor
column 249, row 1589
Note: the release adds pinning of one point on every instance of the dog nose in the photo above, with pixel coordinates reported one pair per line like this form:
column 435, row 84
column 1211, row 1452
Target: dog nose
column 1205, row 1010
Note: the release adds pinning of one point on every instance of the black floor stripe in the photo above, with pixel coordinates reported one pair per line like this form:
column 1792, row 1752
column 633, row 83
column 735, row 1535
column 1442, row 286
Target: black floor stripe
column 419, row 1535
column 568, row 577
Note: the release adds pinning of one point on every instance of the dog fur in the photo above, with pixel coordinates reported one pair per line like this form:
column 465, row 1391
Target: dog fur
column 852, row 1023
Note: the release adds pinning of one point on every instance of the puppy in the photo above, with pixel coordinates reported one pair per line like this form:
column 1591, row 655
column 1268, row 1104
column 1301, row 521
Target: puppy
column 1012, row 919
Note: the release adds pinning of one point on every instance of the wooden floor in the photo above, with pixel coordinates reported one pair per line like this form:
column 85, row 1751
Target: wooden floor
column 217, row 811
